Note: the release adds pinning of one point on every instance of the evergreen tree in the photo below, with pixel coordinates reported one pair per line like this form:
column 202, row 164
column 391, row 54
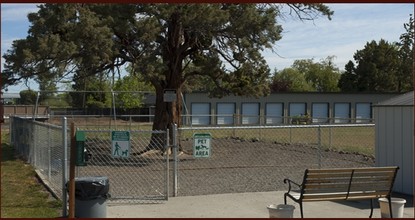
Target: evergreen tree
column 377, row 67
column 161, row 41
column 348, row 80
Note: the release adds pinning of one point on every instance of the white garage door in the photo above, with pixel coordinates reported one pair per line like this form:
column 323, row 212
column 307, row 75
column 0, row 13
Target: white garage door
column 320, row 112
column 363, row 111
column 202, row 109
column 341, row 112
column 225, row 112
column 274, row 112
column 297, row 109
column 250, row 113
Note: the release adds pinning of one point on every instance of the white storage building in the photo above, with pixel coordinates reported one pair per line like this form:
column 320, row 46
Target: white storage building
column 394, row 139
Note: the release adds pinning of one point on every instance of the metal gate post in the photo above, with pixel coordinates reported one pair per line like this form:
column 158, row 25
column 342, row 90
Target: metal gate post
column 33, row 148
column 64, row 166
column 167, row 145
column 49, row 141
column 319, row 146
column 330, row 137
column 175, row 159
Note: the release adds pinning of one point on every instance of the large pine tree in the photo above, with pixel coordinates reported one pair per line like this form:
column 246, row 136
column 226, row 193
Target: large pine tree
column 169, row 44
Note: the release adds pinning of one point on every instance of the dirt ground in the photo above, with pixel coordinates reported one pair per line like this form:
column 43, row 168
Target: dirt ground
column 234, row 166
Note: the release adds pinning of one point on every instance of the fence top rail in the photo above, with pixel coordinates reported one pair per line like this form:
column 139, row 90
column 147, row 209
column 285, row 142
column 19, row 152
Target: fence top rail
column 278, row 126
column 107, row 130
column 99, row 116
column 43, row 124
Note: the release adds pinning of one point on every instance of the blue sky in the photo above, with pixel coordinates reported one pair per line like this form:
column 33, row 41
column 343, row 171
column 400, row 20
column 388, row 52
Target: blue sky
column 351, row 27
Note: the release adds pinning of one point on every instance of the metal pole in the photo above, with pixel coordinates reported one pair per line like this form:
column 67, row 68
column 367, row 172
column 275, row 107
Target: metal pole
column 113, row 105
column 72, row 173
column 11, row 131
column 36, row 106
column 175, row 170
column 319, row 146
column 167, row 163
column 413, row 76
column 49, row 156
column 64, row 166
column 130, row 122
column 290, row 130
column 33, row 149
column 330, row 137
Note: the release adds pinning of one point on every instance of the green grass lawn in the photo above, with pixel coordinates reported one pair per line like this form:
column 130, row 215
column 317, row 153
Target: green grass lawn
column 22, row 196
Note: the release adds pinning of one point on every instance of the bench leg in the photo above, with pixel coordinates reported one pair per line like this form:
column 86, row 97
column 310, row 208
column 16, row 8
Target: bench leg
column 371, row 208
column 390, row 206
column 301, row 209
column 299, row 202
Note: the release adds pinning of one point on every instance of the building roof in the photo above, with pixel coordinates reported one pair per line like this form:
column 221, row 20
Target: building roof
column 10, row 95
column 406, row 99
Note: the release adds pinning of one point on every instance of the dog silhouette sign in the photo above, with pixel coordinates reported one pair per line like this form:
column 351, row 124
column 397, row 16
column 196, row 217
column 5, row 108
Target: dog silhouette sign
column 120, row 144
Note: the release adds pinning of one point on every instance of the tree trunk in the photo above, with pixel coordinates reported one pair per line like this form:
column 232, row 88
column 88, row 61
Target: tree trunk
column 166, row 114
column 169, row 113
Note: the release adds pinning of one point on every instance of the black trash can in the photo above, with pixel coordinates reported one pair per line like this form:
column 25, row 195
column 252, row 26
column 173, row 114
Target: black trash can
column 91, row 194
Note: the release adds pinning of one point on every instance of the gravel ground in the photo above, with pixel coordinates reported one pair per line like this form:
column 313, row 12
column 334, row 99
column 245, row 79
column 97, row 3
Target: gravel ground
column 255, row 166
column 235, row 166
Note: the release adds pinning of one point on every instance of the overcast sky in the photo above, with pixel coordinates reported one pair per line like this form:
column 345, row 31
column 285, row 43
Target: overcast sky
column 351, row 27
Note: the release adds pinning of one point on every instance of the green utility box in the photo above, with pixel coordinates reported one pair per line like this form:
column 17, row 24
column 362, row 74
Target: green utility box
column 80, row 148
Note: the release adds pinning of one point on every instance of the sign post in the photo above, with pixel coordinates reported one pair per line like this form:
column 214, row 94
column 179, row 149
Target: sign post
column 201, row 145
column 121, row 147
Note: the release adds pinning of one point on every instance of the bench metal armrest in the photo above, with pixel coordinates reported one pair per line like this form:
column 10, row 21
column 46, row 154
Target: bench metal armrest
column 291, row 182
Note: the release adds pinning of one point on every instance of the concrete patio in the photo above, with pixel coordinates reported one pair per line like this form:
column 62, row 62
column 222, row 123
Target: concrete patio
column 247, row 205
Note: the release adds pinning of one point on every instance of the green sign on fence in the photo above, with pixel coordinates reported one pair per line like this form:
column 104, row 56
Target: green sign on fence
column 201, row 145
column 80, row 159
column 120, row 144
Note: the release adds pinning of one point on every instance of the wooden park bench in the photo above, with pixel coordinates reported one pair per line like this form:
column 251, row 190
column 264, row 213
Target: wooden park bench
column 343, row 184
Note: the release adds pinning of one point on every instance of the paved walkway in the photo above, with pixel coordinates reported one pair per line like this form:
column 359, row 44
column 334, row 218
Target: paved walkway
column 246, row 205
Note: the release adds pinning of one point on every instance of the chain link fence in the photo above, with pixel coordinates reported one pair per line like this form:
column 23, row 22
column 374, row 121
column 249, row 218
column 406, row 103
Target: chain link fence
column 243, row 158
column 43, row 146
column 134, row 178
column 138, row 178
column 256, row 159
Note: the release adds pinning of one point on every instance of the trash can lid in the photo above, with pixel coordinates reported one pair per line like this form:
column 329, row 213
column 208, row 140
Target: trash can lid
column 91, row 187
column 100, row 179
column 281, row 207
column 394, row 200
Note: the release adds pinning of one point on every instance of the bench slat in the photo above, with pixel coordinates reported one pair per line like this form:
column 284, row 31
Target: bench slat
column 342, row 189
column 374, row 174
column 375, row 186
column 343, row 196
column 349, row 174
column 353, row 185
column 363, row 169
column 346, row 180
column 366, row 181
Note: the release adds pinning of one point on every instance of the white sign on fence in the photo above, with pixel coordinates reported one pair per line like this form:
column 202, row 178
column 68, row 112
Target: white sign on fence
column 201, row 145
column 169, row 95
column 120, row 144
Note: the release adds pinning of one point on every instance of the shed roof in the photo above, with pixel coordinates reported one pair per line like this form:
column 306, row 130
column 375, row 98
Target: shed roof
column 406, row 99
column 10, row 95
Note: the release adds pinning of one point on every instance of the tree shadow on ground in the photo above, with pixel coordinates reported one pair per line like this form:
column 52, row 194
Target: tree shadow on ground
column 365, row 204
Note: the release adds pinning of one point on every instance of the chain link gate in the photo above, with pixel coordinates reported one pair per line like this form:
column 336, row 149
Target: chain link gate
column 138, row 178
